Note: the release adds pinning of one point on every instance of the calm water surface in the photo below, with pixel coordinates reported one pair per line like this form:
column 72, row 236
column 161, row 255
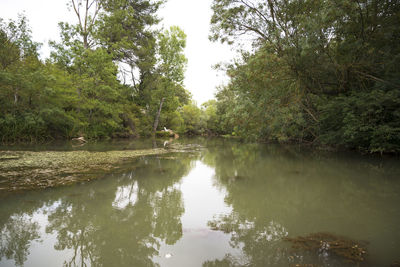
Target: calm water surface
column 230, row 204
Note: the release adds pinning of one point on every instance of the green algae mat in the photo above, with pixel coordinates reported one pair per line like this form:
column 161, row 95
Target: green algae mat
column 24, row 170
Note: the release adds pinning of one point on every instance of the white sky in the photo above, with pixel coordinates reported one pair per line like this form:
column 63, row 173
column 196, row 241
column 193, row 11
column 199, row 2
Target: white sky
column 193, row 16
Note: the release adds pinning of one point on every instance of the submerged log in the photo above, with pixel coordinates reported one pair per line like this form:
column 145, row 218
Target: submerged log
column 347, row 249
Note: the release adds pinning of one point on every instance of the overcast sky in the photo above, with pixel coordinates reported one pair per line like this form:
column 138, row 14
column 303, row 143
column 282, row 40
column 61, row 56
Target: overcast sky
column 193, row 16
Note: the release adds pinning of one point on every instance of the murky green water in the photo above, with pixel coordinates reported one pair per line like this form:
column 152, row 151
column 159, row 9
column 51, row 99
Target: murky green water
column 231, row 204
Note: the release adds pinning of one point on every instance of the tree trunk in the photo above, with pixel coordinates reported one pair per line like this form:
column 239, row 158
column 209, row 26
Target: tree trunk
column 158, row 116
column 16, row 96
column 85, row 41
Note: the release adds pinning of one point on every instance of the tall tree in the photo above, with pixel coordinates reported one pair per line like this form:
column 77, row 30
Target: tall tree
column 126, row 29
column 92, row 70
column 172, row 65
column 86, row 12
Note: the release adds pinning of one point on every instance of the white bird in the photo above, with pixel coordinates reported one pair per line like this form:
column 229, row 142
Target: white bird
column 166, row 143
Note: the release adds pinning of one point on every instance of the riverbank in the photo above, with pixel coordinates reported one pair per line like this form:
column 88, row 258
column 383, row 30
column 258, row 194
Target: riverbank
column 27, row 170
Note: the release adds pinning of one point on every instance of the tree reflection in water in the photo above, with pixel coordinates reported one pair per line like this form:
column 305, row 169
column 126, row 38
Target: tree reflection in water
column 260, row 243
column 272, row 192
column 142, row 211
column 277, row 192
column 16, row 236
column 122, row 219
column 252, row 230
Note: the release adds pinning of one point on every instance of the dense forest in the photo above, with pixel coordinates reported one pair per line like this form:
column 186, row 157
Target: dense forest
column 322, row 71
column 114, row 74
column 319, row 72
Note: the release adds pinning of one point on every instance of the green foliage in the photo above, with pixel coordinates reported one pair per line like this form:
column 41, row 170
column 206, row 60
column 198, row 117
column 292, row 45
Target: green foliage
column 193, row 118
column 78, row 91
column 210, row 113
column 364, row 121
column 173, row 61
column 34, row 96
column 125, row 29
column 322, row 72
column 163, row 134
column 169, row 75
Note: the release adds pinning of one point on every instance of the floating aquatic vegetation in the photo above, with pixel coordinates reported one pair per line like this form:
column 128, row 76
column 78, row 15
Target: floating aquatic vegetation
column 21, row 170
column 8, row 157
column 347, row 249
column 184, row 147
column 304, row 265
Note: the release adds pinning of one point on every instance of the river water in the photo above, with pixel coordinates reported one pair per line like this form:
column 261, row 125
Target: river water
column 230, row 204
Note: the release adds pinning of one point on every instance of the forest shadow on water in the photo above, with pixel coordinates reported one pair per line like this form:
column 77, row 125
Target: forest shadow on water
column 229, row 204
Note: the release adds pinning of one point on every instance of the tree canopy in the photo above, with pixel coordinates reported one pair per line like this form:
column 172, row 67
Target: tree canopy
column 321, row 71
column 105, row 78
